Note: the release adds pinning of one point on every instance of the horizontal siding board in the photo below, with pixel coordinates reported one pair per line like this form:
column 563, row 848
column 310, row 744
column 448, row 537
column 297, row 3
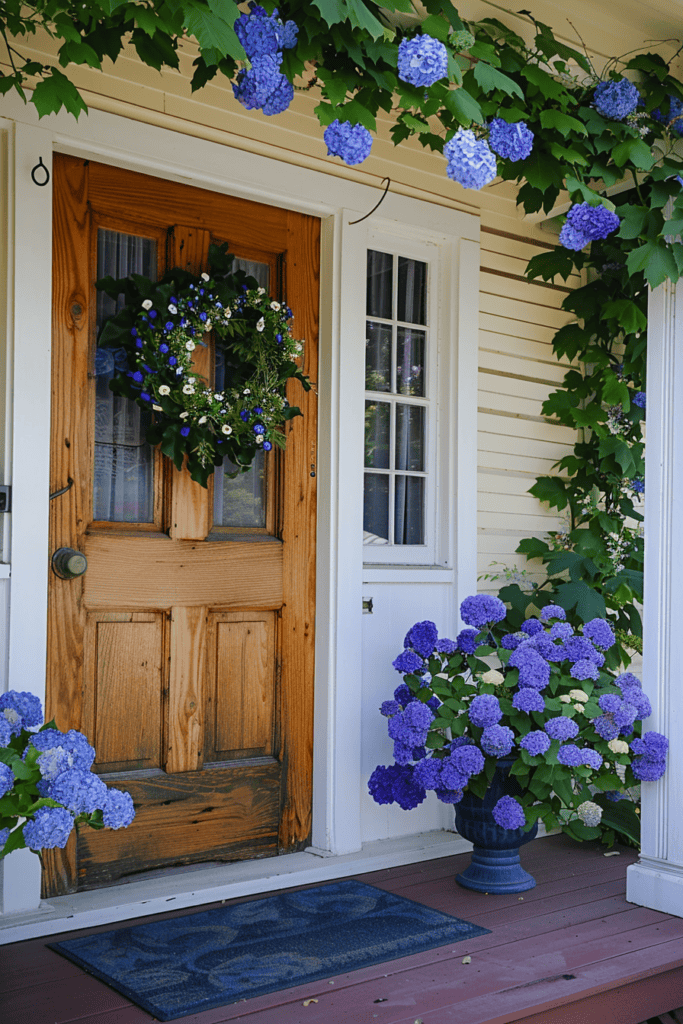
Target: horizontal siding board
column 512, row 405
column 533, row 447
column 525, row 312
column 516, row 387
column 499, row 323
column 504, row 483
column 515, row 288
column 495, row 423
column 525, row 523
column 506, row 364
column 511, row 462
column 527, row 350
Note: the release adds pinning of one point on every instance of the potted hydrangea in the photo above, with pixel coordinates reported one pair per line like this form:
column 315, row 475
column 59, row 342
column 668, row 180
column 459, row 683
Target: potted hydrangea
column 46, row 782
column 541, row 729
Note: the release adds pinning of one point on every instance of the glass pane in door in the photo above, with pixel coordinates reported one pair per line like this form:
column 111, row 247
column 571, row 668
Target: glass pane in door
column 123, row 479
column 241, row 500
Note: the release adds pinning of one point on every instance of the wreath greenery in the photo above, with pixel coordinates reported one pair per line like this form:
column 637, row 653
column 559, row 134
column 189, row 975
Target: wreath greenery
column 159, row 327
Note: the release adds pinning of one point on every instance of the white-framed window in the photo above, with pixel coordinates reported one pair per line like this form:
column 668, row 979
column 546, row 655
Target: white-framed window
column 401, row 388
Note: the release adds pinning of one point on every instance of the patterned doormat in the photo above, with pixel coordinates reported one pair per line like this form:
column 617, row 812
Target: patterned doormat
column 186, row 964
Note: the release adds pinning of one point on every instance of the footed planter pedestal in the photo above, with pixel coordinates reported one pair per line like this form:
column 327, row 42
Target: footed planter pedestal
column 495, row 865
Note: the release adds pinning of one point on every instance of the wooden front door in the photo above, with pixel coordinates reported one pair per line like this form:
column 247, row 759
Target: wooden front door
column 185, row 652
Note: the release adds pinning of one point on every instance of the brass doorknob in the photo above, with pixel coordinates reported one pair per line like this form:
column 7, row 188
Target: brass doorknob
column 68, row 563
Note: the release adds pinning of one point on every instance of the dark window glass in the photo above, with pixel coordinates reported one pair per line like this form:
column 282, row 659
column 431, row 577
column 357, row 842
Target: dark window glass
column 380, row 281
column 412, row 280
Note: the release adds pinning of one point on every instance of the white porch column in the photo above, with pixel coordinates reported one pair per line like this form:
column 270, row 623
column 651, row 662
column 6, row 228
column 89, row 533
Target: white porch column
column 656, row 880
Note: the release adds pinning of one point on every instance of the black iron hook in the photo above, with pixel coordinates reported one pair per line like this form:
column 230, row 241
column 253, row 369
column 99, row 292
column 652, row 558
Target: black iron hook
column 377, row 205
column 36, row 169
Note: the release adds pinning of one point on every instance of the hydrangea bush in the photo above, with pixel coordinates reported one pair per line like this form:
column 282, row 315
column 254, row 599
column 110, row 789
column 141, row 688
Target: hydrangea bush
column 46, row 782
column 158, row 330
column 571, row 726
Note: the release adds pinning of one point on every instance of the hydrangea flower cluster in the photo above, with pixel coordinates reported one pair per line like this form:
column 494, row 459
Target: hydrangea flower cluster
column 454, row 714
column 262, row 86
column 616, row 98
column 161, row 335
column 586, row 223
column 470, row 161
column 673, row 118
column 351, row 142
column 47, row 783
column 511, row 141
column 422, row 61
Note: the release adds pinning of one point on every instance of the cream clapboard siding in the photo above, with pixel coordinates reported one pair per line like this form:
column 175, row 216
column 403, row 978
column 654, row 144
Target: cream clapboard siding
column 517, row 371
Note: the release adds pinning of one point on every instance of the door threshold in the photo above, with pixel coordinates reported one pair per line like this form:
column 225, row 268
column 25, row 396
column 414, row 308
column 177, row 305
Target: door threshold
column 174, row 889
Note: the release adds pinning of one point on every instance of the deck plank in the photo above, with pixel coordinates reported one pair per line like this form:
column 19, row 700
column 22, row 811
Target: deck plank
column 625, row 962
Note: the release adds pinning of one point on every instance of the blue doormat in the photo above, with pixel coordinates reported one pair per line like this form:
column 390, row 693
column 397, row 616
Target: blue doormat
column 186, row 964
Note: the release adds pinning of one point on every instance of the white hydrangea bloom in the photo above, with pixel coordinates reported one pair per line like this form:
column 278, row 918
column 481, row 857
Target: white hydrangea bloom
column 579, row 707
column 205, row 277
column 147, row 304
column 579, row 696
column 188, row 389
column 618, row 746
column 589, row 813
column 190, row 346
column 493, row 677
column 565, row 698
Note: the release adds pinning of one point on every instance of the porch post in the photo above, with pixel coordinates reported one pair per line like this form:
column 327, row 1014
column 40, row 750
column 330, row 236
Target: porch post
column 656, row 880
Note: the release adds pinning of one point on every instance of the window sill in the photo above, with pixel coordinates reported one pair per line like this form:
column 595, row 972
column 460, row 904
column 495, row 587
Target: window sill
column 373, row 573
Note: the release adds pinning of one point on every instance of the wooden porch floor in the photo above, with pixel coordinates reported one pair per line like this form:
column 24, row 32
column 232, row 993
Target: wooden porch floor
column 570, row 951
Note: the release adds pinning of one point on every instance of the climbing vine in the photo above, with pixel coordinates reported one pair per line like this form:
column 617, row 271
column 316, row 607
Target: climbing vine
column 596, row 143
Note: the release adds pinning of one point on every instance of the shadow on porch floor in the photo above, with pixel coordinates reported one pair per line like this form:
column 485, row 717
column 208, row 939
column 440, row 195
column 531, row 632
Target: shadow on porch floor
column 570, row 951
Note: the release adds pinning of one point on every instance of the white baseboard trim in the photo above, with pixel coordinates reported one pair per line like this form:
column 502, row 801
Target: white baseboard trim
column 657, row 885
column 174, row 889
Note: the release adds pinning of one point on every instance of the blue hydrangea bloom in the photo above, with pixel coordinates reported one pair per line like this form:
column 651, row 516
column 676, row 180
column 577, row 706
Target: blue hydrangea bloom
column 527, row 699
column 616, row 99
column 427, row 773
column 4, row 836
column 80, row 791
column 584, row 668
column 511, row 141
column 647, row 771
column 396, row 783
column 6, row 779
column 449, row 796
column 535, row 742
column 511, row 641
column 625, row 717
column 5, row 731
column 560, row 631
column 561, row 728
column 482, row 609
column 571, row 755
column 467, row 641
column 599, row 632
column 262, row 34
column 508, row 813
column 351, row 142
column 50, row 828
column 605, row 727
column 411, row 725
column 470, row 162
column 586, row 223
column 533, row 669
column 389, row 708
column 446, row 646
column 280, row 97
column 118, row 810
column 485, row 710
column 22, row 710
column 639, row 399
column 263, row 86
column 553, row 611
column 422, row 637
column 609, row 702
column 672, row 119
column 451, row 777
column 53, row 762
column 639, row 700
column 592, row 759
column 578, row 647
column 422, row 61
column 497, row 740
column 545, row 647
column 403, row 694
column 628, row 679
column 531, row 627
column 408, row 662
column 466, row 758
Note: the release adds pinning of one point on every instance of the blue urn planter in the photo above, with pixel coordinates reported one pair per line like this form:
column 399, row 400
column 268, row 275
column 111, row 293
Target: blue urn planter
column 495, row 866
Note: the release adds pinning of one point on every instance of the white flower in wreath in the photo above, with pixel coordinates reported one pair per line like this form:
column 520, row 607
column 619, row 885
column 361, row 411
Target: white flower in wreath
column 173, row 309
column 202, row 419
column 188, row 389
column 207, row 326
column 164, row 389
column 217, row 397
column 226, row 429
column 276, row 306
column 261, row 325
column 205, row 277
column 147, row 304
column 259, row 439
column 157, row 408
column 190, row 346
column 246, row 391
column 227, row 314
column 184, row 415
column 261, row 291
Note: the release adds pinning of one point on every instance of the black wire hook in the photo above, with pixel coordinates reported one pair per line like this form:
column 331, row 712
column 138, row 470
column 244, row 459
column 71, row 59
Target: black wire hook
column 36, row 169
column 377, row 205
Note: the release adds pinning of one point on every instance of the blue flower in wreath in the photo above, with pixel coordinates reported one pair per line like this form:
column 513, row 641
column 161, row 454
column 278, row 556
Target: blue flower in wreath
column 259, row 428
column 137, row 376
column 184, row 431
column 163, row 347
column 267, row 446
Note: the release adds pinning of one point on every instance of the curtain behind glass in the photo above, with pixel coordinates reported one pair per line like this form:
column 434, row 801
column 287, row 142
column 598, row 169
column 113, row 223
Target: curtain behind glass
column 241, row 501
column 123, row 478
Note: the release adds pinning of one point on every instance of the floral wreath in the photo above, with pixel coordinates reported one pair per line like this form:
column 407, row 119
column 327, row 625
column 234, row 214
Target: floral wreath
column 159, row 328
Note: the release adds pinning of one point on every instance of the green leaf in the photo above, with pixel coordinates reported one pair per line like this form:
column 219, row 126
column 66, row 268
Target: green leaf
column 621, row 452
column 435, row 26
column 212, row 30
column 634, row 150
column 564, row 123
column 549, row 86
column 631, row 318
column 15, row 841
column 56, row 91
column 463, row 107
column 490, row 79
column 656, row 261
column 552, row 490
column 414, row 123
column 589, row 603
column 547, row 265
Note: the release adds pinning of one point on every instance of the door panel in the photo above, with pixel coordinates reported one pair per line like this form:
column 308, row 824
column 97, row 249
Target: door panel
column 185, row 653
